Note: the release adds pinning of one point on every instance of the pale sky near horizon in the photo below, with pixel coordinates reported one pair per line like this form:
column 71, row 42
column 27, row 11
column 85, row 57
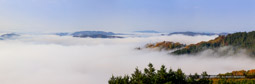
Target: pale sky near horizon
column 127, row 15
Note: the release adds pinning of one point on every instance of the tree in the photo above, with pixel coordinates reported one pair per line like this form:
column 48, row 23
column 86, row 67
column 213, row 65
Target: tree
column 153, row 76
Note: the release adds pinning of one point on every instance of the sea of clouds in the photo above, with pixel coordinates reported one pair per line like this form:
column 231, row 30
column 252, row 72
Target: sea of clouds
column 51, row 59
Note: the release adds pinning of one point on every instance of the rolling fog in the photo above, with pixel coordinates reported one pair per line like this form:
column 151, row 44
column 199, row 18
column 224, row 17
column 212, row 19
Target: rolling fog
column 50, row 59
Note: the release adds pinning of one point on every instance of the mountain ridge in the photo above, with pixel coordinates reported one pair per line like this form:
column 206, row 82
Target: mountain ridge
column 238, row 40
column 189, row 33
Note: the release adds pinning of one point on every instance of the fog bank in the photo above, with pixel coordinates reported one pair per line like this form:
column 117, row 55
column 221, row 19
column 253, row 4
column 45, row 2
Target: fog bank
column 50, row 59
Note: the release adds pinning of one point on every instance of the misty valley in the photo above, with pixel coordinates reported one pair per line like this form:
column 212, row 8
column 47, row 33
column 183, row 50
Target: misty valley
column 221, row 46
column 98, row 57
column 127, row 42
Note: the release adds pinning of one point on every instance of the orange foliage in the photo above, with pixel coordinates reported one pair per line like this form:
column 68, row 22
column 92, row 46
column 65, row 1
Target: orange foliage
column 187, row 47
column 241, row 73
column 165, row 45
column 219, row 39
column 238, row 73
column 251, row 72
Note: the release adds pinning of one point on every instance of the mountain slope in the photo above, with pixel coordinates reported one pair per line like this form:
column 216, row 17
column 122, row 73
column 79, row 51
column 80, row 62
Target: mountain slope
column 239, row 40
column 165, row 45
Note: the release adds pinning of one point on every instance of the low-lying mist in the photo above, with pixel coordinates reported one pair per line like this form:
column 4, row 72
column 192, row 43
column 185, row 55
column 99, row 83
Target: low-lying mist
column 50, row 59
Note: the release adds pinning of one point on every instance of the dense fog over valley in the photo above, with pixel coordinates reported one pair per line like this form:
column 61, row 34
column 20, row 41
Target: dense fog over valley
column 52, row 59
column 127, row 42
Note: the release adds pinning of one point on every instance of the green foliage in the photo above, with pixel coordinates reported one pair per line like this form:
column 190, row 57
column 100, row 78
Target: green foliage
column 161, row 76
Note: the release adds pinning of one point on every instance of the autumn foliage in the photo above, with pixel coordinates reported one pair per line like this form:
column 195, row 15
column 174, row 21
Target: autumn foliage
column 163, row 75
column 247, row 74
column 166, row 45
column 238, row 40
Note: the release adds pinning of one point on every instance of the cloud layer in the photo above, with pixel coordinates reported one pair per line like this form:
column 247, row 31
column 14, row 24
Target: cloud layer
column 50, row 59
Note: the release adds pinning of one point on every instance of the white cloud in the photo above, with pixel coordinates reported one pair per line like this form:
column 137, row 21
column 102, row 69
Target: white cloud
column 49, row 59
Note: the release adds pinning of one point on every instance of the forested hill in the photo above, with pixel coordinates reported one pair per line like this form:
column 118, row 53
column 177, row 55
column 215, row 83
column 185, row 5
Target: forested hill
column 238, row 40
column 244, row 40
column 166, row 45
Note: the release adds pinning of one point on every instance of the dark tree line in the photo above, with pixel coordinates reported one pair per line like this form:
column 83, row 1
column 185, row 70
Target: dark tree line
column 162, row 76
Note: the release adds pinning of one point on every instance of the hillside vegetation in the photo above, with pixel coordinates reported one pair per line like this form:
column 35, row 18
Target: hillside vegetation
column 239, row 40
column 247, row 74
column 166, row 45
column 164, row 76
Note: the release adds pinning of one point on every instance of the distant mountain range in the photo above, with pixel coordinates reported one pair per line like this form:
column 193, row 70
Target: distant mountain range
column 91, row 34
column 8, row 36
column 188, row 33
column 81, row 33
column 103, row 34
column 147, row 31
column 62, row 34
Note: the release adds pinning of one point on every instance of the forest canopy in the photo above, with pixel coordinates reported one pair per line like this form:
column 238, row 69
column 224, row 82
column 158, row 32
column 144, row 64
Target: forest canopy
column 164, row 76
column 239, row 40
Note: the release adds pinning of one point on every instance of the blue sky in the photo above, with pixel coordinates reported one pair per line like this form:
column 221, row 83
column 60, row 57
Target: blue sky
column 127, row 15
